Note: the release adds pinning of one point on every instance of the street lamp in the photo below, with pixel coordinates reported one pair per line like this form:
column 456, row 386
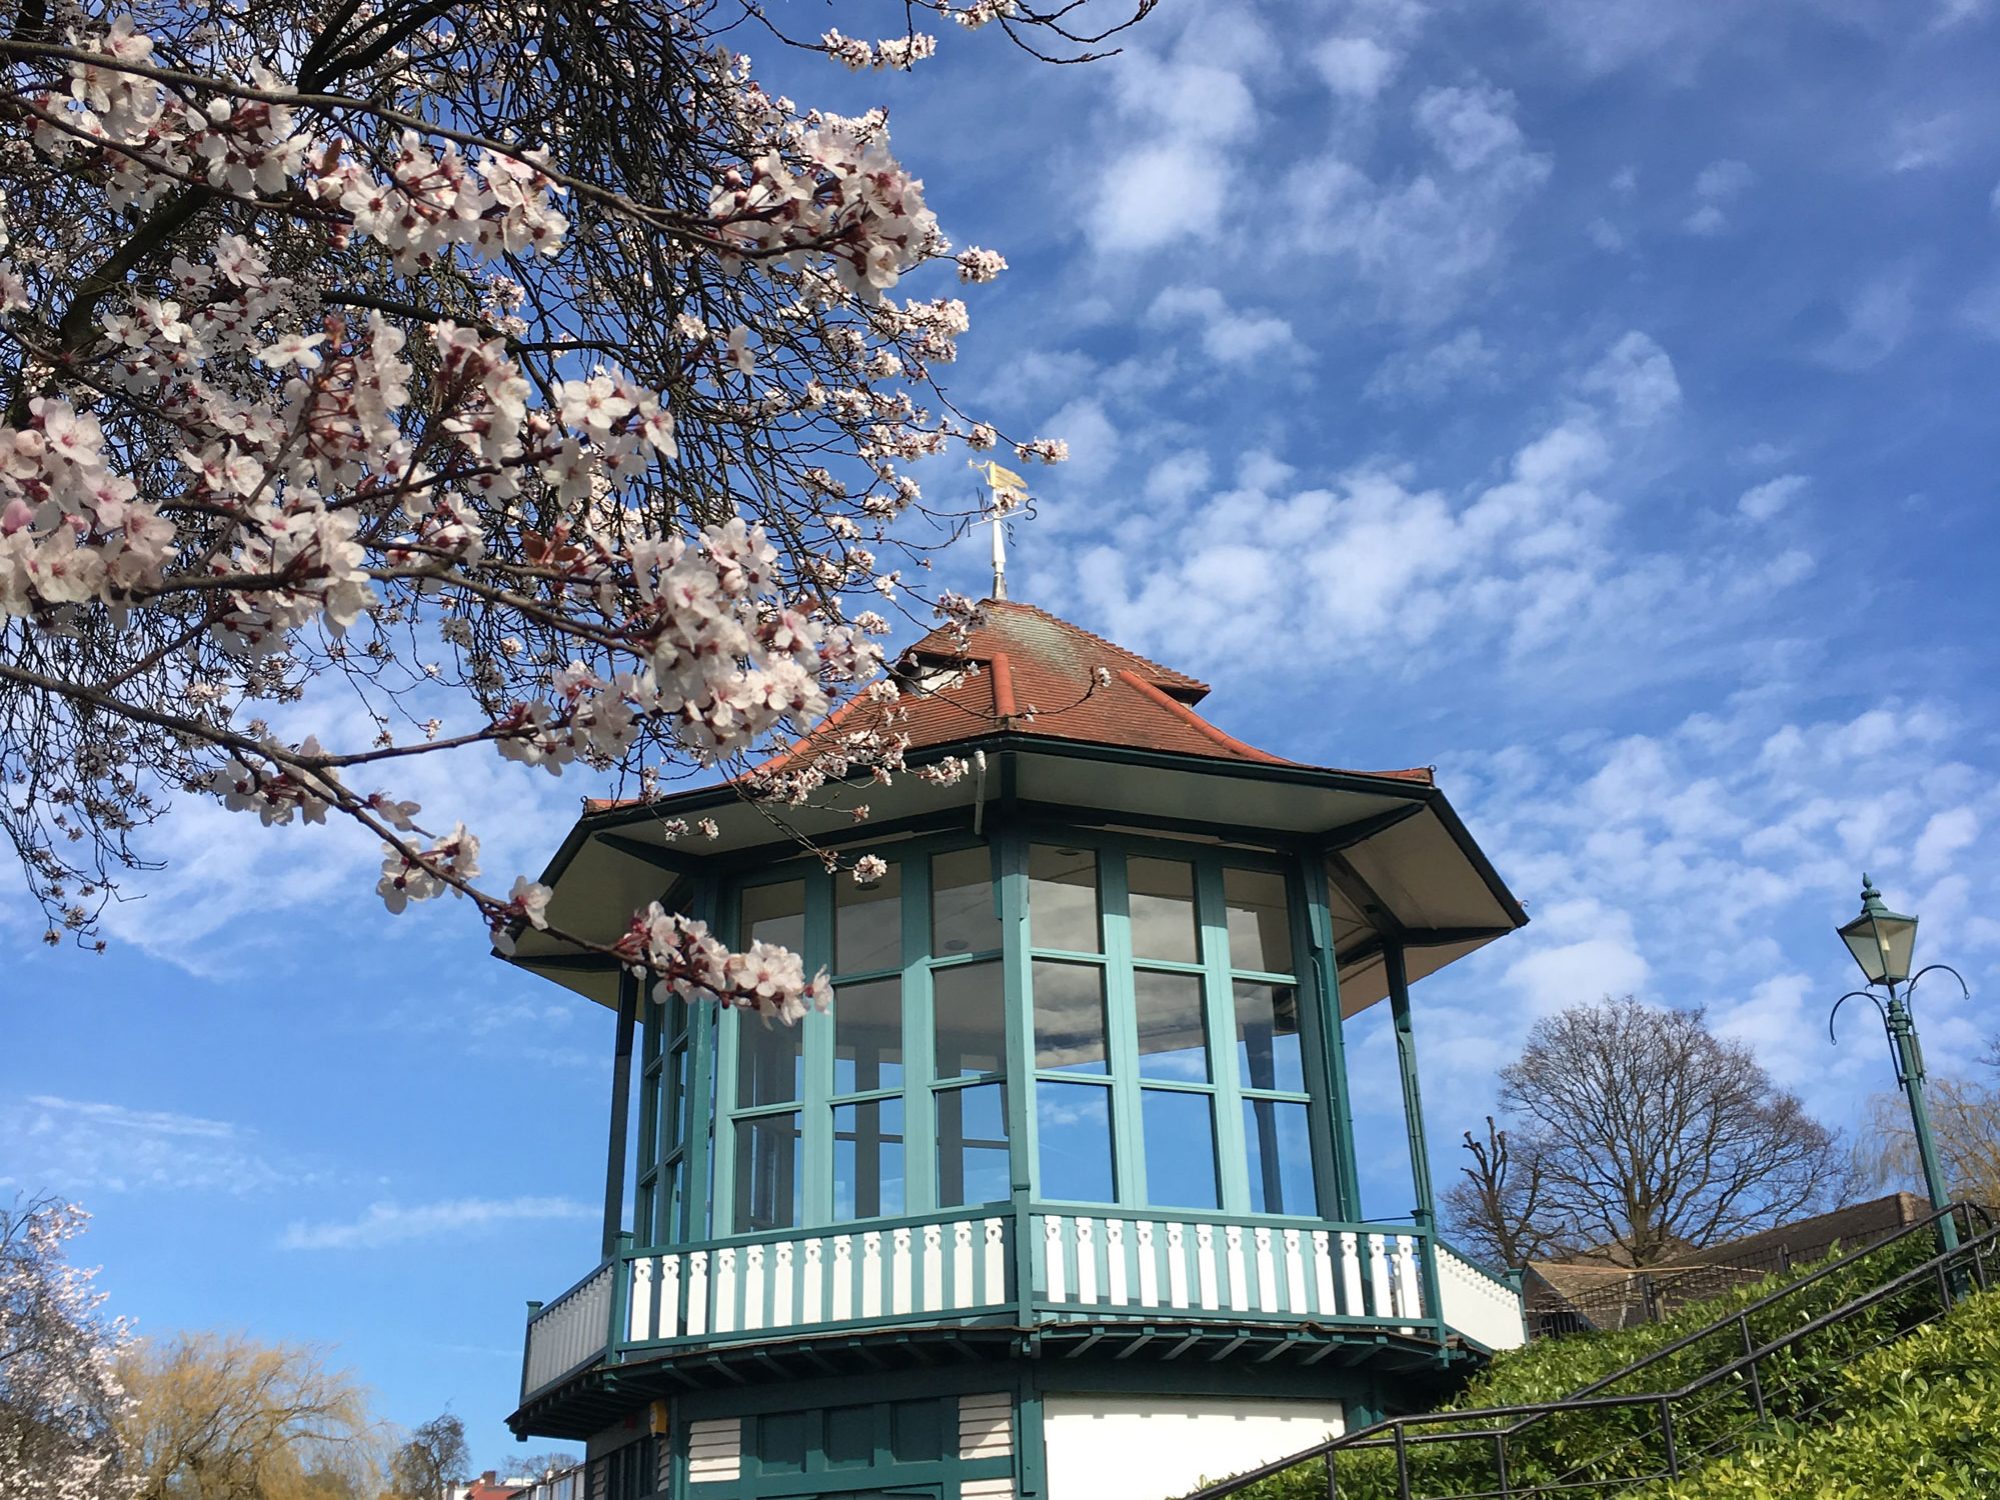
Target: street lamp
column 1882, row 942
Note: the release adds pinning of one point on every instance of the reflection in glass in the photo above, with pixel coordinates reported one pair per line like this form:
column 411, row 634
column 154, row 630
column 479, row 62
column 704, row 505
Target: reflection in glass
column 775, row 914
column 972, row 1145
column 1260, row 923
column 868, row 1159
column 969, row 1015
column 1180, row 1149
column 1173, row 1037
column 962, row 916
column 1162, row 908
column 1267, row 1037
column 1281, row 1174
column 1069, row 1016
column 867, row 924
column 768, row 1060
column 868, row 1036
column 1073, row 1122
column 767, row 1173
column 1062, row 899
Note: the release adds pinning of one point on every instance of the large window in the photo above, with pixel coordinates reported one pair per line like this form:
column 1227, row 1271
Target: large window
column 1169, row 1068
column 1166, row 1067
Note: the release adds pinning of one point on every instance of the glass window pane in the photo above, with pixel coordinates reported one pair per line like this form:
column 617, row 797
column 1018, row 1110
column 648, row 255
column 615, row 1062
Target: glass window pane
column 1069, row 1016
column 972, row 1145
column 775, row 914
column 769, row 1059
column 969, row 1014
column 1173, row 1036
column 1260, row 923
column 674, row 1100
column 767, row 1173
column 1267, row 1037
column 1280, row 1152
column 868, row 1159
column 1062, row 899
column 1162, row 908
column 1180, row 1149
column 1074, row 1125
column 868, row 1036
column 962, row 915
column 868, row 923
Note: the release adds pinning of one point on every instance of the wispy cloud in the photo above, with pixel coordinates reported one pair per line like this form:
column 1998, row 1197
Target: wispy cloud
column 389, row 1223
column 62, row 1145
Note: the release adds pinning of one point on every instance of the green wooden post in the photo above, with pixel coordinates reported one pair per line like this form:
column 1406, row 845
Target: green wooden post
column 920, row 1175
column 620, row 1325
column 621, row 1105
column 1413, row 1119
column 698, row 1219
column 1128, row 1158
column 1020, row 1085
column 1340, row 1103
column 1219, row 1012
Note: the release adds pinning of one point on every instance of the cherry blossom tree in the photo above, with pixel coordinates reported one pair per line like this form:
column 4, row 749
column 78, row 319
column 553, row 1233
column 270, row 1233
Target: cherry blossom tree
column 520, row 371
column 60, row 1398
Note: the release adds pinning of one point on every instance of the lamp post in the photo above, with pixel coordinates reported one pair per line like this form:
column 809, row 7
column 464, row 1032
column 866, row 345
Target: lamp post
column 1882, row 942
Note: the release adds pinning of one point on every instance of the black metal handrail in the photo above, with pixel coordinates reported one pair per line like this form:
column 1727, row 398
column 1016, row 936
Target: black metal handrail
column 1948, row 1268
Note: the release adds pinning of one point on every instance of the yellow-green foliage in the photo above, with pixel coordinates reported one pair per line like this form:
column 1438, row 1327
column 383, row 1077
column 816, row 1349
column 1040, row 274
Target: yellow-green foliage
column 1581, row 1445
column 1919, row 1418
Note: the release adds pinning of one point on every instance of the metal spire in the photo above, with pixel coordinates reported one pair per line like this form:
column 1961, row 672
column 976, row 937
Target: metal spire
column 999, row 524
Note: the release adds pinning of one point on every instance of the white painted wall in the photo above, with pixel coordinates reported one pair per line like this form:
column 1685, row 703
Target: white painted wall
column 1103, row 1447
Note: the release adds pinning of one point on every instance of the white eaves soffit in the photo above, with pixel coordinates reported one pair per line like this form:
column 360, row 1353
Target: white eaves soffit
column 1407, row 868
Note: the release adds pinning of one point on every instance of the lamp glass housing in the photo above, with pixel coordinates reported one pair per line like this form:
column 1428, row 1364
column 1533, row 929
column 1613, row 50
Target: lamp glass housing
column 1882, row 942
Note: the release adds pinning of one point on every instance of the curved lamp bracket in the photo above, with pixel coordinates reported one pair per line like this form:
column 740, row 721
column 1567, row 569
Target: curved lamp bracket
column 1868, row 995
column 1910, row 989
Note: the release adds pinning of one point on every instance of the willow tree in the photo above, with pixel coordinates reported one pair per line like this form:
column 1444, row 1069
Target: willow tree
column 522, row 369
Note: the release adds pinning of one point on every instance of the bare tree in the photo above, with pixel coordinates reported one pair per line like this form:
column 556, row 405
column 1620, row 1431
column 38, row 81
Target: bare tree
column 541, row 1464
column 60, row 1398
column 1498, row 1208
column 1649, row 1134
column 432, row 1461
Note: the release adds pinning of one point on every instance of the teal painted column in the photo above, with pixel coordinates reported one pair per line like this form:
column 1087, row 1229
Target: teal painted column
column 1413, row 1119
column 1012, row 894
column 1339, row 1101
column 621, row 1107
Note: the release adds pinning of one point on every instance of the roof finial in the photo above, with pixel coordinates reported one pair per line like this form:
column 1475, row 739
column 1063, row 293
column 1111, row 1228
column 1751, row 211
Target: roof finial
column 999, row 554
column 1007, row 490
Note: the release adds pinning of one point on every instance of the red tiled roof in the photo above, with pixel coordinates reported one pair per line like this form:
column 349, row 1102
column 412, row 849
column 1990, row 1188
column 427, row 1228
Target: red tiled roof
column 1024, row 670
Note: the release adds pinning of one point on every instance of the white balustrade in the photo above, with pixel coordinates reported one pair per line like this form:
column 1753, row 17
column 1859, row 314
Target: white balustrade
column 570, row 1331
column 1126, row 1265
column 1094, row 1265
column 1477, row 1303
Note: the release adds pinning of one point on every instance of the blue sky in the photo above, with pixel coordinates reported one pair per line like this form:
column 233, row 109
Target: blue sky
column 1590, row 399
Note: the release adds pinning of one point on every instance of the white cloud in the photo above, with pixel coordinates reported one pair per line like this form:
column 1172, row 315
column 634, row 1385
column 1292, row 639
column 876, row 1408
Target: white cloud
column 72, row 1146
column 1355, row 67
column 1167, row 172
column 1464, row 359
column 1763, row 501
column 1980, row 311
column 1917, row 144
column 1178, row 478
column 1638, row 377
column 1419, row 244
column 1469, row 126
column 1228, row 336
column 1605, row 235
column 1943, row 837
column 1716, row 186
column 399, row 1224
column 1877, row 318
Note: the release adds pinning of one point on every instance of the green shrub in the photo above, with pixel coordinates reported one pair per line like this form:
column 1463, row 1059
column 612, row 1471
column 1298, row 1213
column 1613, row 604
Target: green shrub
column 1577, row 1445
column 1920, row 1418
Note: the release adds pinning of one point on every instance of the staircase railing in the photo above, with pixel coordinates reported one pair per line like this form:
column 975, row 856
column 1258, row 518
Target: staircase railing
column 1654, row 1434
